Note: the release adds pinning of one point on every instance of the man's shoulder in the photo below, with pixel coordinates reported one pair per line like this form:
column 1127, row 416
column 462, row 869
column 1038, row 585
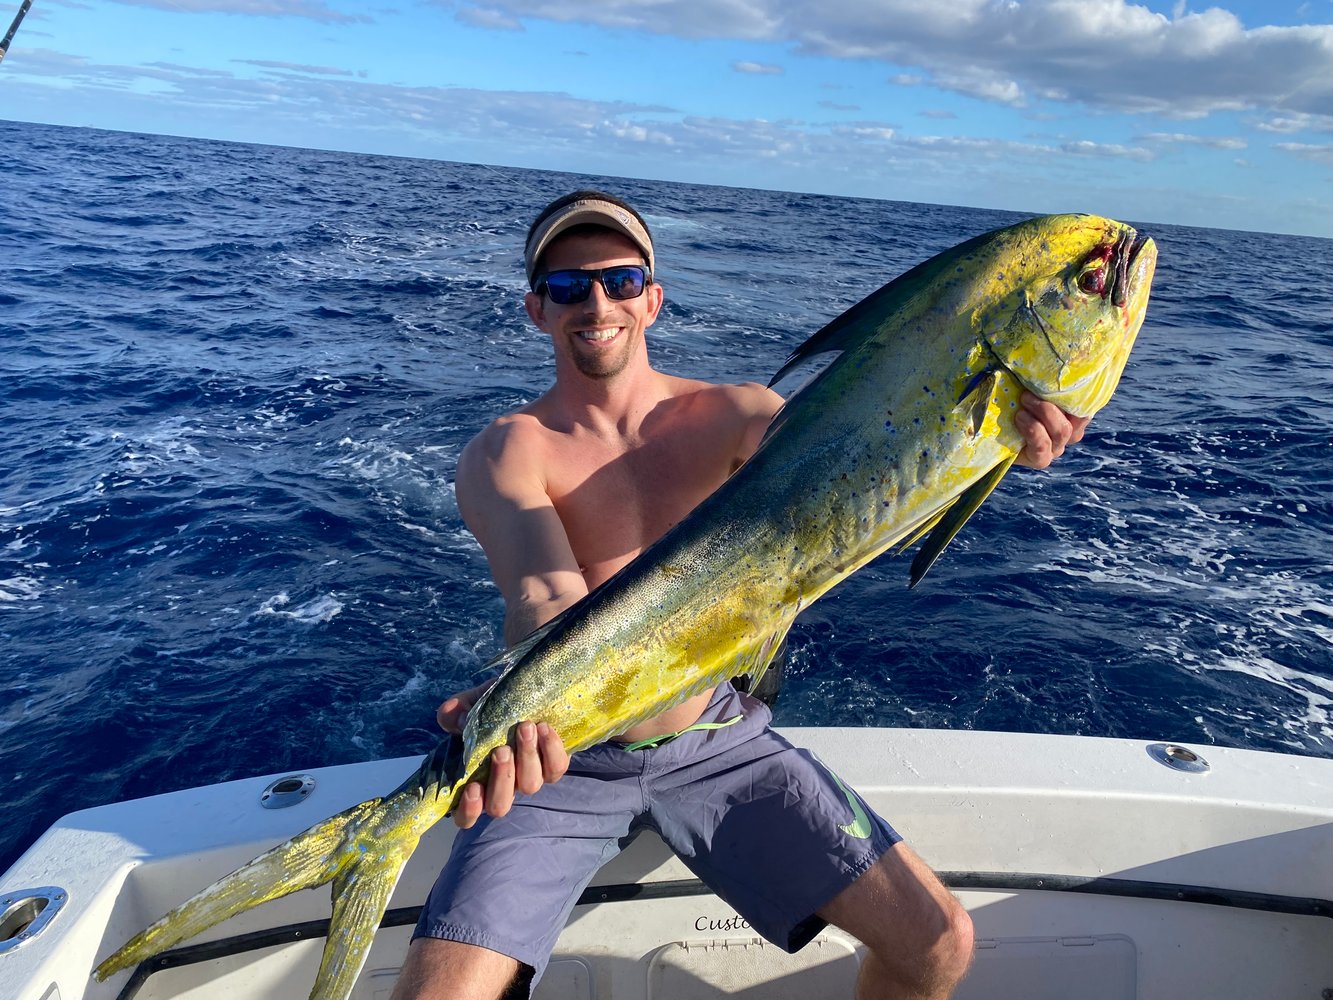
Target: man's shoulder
column 507, row 450
column 744, row 398
column 510, row 436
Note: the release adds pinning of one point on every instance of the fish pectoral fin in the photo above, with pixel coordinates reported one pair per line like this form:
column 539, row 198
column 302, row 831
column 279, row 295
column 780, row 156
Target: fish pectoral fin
column 360, row 896
column 953, row 517
column 982, row 390
column 309, row 859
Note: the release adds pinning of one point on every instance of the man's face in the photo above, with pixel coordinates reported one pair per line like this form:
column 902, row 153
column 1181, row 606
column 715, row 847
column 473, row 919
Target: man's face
column 600, row 335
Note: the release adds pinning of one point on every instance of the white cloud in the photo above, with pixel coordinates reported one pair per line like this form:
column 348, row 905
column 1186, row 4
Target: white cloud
column 1084, row 147
column 286, row 67
column 1103, row 53
column 1307, row 151
column 759, row 69
column 314, row 10
column 490, row 19
column 876, row 133
column 1186, row 139
column 1286, row 124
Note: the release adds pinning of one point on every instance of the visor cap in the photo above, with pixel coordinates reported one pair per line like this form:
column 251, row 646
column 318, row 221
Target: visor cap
column 586, row 208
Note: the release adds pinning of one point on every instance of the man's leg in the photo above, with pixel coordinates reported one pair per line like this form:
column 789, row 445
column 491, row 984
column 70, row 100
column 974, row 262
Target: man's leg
column 918, row 935
column 436, row 970
column 510, row 884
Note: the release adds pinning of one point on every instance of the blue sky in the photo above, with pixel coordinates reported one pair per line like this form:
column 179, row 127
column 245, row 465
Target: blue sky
column 1157, row 112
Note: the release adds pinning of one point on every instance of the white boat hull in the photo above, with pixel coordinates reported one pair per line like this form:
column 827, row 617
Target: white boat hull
column 1091, row 869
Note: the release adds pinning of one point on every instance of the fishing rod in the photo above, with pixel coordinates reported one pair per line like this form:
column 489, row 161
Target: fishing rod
column 18, row 19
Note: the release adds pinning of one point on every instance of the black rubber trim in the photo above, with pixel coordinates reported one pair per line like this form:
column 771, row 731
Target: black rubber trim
column 624, row 892
column 1137, row 889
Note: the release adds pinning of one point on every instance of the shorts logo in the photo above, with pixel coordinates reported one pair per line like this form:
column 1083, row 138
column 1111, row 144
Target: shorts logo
column 859, row 827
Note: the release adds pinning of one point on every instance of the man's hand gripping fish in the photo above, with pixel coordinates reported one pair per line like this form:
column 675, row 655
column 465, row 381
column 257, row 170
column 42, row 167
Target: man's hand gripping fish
column 899, row 439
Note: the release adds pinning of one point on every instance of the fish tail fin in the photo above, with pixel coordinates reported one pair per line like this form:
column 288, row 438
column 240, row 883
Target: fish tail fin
column 360, row 897
column 309, row 859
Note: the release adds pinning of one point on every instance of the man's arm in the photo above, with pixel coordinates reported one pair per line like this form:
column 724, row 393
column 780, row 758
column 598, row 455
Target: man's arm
column 502, row 497
column 504, row 503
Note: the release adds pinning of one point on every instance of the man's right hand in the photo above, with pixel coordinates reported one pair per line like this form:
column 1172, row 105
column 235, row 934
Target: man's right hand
column 539, row 757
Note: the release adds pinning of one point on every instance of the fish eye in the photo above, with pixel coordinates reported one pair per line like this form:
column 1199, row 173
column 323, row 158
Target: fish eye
column 1093, row 281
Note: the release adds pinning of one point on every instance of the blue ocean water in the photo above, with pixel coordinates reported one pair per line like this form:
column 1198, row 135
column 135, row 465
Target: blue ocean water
column 236, row 380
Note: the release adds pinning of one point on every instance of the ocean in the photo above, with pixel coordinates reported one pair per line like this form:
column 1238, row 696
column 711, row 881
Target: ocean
column 237, row 378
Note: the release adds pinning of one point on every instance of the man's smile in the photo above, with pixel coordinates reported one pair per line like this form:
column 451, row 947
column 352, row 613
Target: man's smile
column 599, row 335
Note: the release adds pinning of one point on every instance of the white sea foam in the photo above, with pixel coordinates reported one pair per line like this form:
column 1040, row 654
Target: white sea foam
column 17, row 589
column 316, row 611
column 171, row 443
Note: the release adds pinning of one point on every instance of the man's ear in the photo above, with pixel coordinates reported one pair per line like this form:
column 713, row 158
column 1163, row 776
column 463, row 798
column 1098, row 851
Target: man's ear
column 655, row 299
column 536, row 306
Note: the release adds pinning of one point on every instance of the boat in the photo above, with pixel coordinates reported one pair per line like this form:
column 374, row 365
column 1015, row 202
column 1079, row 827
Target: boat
column 1097, row 868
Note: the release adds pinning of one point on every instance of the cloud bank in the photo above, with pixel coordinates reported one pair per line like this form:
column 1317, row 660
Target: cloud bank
column 1106, row 54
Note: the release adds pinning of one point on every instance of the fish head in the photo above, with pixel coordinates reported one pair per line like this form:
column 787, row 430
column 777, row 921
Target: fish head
column 1071, row 292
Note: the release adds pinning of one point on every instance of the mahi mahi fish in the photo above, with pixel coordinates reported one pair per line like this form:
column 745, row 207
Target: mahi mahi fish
column 897, row 440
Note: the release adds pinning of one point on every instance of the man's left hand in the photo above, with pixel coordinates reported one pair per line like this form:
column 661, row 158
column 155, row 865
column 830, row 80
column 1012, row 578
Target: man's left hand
column 538, row 759
column 1047, row 430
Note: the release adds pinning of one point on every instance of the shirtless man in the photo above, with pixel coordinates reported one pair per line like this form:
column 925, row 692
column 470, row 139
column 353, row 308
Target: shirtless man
column 561, row 494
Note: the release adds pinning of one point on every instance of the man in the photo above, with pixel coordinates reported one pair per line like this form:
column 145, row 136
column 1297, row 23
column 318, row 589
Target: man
column 561, row 494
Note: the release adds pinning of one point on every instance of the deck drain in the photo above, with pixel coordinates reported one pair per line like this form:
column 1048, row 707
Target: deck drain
column 25, row 914
column 288, row 791
column 1178, row 757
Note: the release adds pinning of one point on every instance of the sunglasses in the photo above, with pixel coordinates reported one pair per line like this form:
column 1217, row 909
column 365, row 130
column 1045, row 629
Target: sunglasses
column 624, row 281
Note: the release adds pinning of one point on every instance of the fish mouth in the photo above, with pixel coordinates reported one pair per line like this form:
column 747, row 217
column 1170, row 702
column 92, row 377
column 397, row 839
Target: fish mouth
column 1127, row 250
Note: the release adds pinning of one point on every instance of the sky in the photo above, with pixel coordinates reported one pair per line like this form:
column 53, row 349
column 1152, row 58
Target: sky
column 1156, row 112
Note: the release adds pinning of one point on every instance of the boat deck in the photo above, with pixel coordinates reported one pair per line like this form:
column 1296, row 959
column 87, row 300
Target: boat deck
column 1091, row 868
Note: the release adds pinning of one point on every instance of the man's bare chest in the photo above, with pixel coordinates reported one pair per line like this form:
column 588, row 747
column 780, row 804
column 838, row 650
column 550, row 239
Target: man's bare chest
column 616, row 502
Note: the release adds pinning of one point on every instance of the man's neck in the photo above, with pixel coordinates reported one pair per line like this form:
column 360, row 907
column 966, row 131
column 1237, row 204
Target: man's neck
column 606, row 406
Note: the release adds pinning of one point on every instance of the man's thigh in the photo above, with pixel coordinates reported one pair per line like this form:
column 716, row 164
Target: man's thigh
column 510, row 883
column 771, row 830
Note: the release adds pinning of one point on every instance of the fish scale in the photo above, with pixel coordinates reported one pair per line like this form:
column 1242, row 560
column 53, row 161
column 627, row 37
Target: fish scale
column 900, row 438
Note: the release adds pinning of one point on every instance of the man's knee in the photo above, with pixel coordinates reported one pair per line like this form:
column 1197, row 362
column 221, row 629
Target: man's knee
column 918, row 934
column 437, row 969
column 954, row 947
column 933, row 959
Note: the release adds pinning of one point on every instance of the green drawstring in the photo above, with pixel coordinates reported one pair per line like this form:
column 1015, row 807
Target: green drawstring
column 657, row 741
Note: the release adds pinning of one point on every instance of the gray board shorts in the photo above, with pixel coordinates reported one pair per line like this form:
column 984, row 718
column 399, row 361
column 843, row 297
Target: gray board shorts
column 763, row 823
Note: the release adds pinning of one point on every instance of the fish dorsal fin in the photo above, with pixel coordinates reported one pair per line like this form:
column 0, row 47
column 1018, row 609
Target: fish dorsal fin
column 841, row 333
column 505, row 661
column 443, row 766
column 954, row 517
column 836, row 337
column 864, row 318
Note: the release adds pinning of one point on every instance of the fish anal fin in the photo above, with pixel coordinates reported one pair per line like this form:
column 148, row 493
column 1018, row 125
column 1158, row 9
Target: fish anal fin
column 921, row 532
column 762, row 656
column 954, row 517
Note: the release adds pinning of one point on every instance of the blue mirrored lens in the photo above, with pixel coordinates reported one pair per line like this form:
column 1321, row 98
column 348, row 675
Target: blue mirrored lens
column 624, row 282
